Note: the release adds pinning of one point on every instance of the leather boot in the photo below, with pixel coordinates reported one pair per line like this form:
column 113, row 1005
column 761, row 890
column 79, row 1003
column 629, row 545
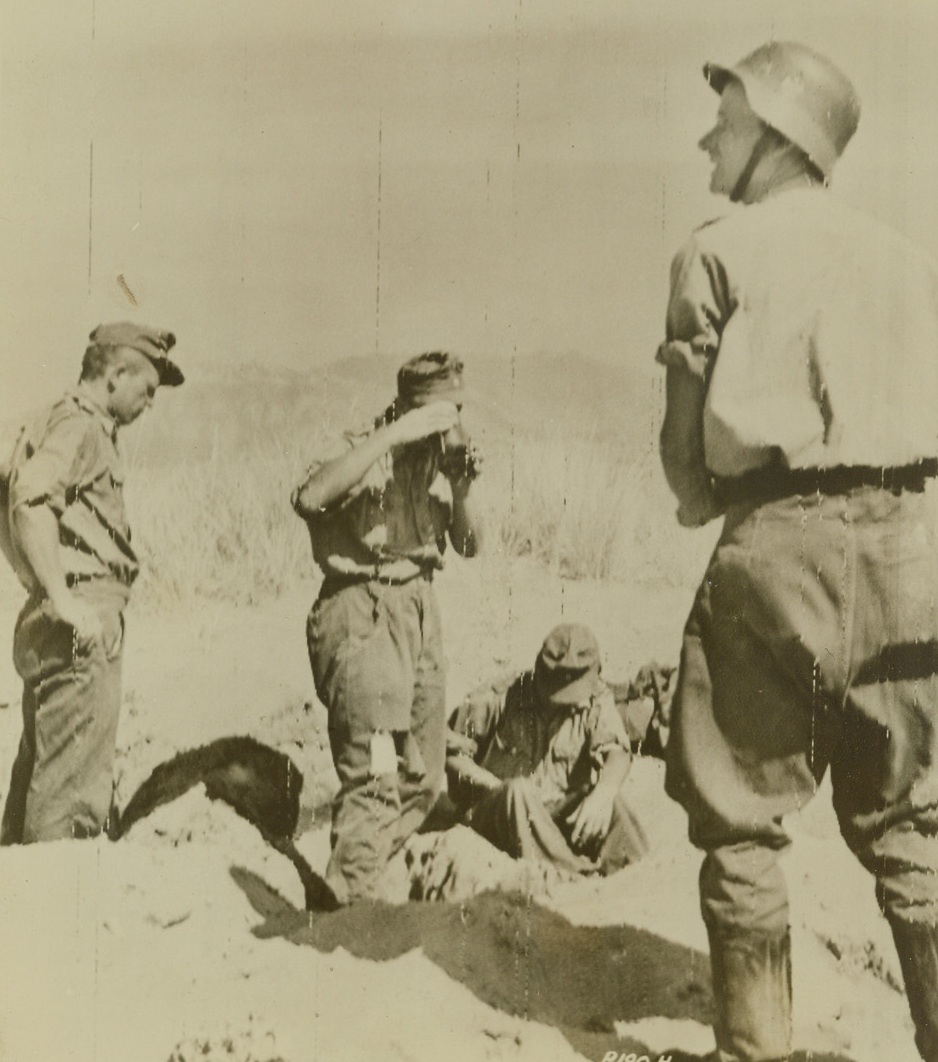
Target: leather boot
column 917, row 945
column 752, row 993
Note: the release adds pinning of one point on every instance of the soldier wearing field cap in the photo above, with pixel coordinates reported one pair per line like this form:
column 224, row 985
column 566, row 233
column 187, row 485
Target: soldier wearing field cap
column 536, row 762
column 65, row 531
column 379, row 506
column 802, row 369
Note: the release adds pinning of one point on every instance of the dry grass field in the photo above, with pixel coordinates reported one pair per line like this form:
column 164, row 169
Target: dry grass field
column 571, row 475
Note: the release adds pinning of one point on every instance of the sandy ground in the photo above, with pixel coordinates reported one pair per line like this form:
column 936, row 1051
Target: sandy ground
column 187, row 939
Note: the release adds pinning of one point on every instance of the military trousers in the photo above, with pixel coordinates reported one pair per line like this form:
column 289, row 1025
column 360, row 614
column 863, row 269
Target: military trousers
column 62, row 779
column 376, row 653
column 813, row 644
column 516, row 819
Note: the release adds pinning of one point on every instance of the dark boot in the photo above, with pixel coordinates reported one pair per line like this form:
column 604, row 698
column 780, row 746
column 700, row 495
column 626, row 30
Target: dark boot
column 917, row 945
column 752, row 993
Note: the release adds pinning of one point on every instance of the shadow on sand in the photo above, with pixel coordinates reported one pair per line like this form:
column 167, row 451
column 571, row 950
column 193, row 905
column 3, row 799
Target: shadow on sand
column 513, row 955
column 522, row 959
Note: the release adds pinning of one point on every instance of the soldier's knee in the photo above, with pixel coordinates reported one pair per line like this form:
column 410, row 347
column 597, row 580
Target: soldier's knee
column 904, row 860
column 430, row 791
column 742, row 886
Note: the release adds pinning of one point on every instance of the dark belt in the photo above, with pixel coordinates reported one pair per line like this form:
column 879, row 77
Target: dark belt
column 333, row 583
column 72, row 579
column 774, row 482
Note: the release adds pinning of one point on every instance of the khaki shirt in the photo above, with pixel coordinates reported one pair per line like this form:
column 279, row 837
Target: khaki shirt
column 561, row 748
column 392, row 524
column 67, row 459
column 816, row 329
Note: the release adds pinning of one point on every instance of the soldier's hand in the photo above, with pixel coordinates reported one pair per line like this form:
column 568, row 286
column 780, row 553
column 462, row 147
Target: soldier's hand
column 456, row 742
column 435, row 418
column 461, row 465
column 591, row 820
column 82, row 618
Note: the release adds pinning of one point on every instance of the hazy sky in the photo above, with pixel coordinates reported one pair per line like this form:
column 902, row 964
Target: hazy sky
column 298, row 181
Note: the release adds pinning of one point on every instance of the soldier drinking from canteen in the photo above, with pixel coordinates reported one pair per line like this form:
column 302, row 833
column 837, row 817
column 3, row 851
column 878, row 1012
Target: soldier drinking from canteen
column 379, row 506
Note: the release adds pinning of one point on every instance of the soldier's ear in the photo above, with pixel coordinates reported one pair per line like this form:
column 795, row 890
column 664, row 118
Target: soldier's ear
column 117, row 368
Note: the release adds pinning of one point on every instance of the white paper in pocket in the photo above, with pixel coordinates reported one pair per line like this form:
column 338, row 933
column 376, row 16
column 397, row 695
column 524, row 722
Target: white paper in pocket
column 383, row 754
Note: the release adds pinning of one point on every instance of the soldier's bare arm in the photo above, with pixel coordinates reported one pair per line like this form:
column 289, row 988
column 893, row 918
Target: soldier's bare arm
column 465, row 769
column 466, row 529
column 682, row 448
column 335, row 478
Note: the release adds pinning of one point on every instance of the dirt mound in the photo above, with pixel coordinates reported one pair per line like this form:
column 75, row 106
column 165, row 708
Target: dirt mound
column 260, row 783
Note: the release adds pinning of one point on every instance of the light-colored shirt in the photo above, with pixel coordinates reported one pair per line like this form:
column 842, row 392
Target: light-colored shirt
column 561, row 748
column 816, row 329
column 392, row 524
column 67, row 459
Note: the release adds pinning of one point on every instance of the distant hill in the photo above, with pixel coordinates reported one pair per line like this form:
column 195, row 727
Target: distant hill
column 221, row 410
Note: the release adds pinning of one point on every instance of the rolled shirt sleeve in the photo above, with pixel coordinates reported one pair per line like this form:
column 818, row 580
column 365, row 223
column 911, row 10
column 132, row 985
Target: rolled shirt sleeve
column 375, row 479
column 66, row 459
column 478, row 715
column 337, row 448
column 698, row 308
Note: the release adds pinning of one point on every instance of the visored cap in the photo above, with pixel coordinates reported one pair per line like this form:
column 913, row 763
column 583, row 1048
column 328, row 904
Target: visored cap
column 150, row 342
column 568, row 665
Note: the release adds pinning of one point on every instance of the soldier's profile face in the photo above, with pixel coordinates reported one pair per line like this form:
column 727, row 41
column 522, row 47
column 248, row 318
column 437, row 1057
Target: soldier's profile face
column 132, row 385
column 731, row 141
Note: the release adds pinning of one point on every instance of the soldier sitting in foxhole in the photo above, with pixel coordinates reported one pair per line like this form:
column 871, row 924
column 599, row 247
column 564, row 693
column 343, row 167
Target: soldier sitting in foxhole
column 536, row 762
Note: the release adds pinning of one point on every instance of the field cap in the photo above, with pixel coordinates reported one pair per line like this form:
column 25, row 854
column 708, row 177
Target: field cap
column 567, row 667
column 150, row 342
column 433, row 377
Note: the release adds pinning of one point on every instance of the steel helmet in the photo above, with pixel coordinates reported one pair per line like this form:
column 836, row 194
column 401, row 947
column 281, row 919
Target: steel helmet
column 799, row 93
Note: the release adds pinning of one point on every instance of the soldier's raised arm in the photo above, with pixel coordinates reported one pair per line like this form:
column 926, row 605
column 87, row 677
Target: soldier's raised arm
column 331, row 481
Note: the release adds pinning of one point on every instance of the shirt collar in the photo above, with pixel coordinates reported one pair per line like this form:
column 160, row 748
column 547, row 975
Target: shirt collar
column 85, row 402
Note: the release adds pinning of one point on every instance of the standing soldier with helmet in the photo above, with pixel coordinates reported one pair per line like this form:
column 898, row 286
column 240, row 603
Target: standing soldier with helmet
column 65, row 531
column 802, row 370
column 379, row 506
